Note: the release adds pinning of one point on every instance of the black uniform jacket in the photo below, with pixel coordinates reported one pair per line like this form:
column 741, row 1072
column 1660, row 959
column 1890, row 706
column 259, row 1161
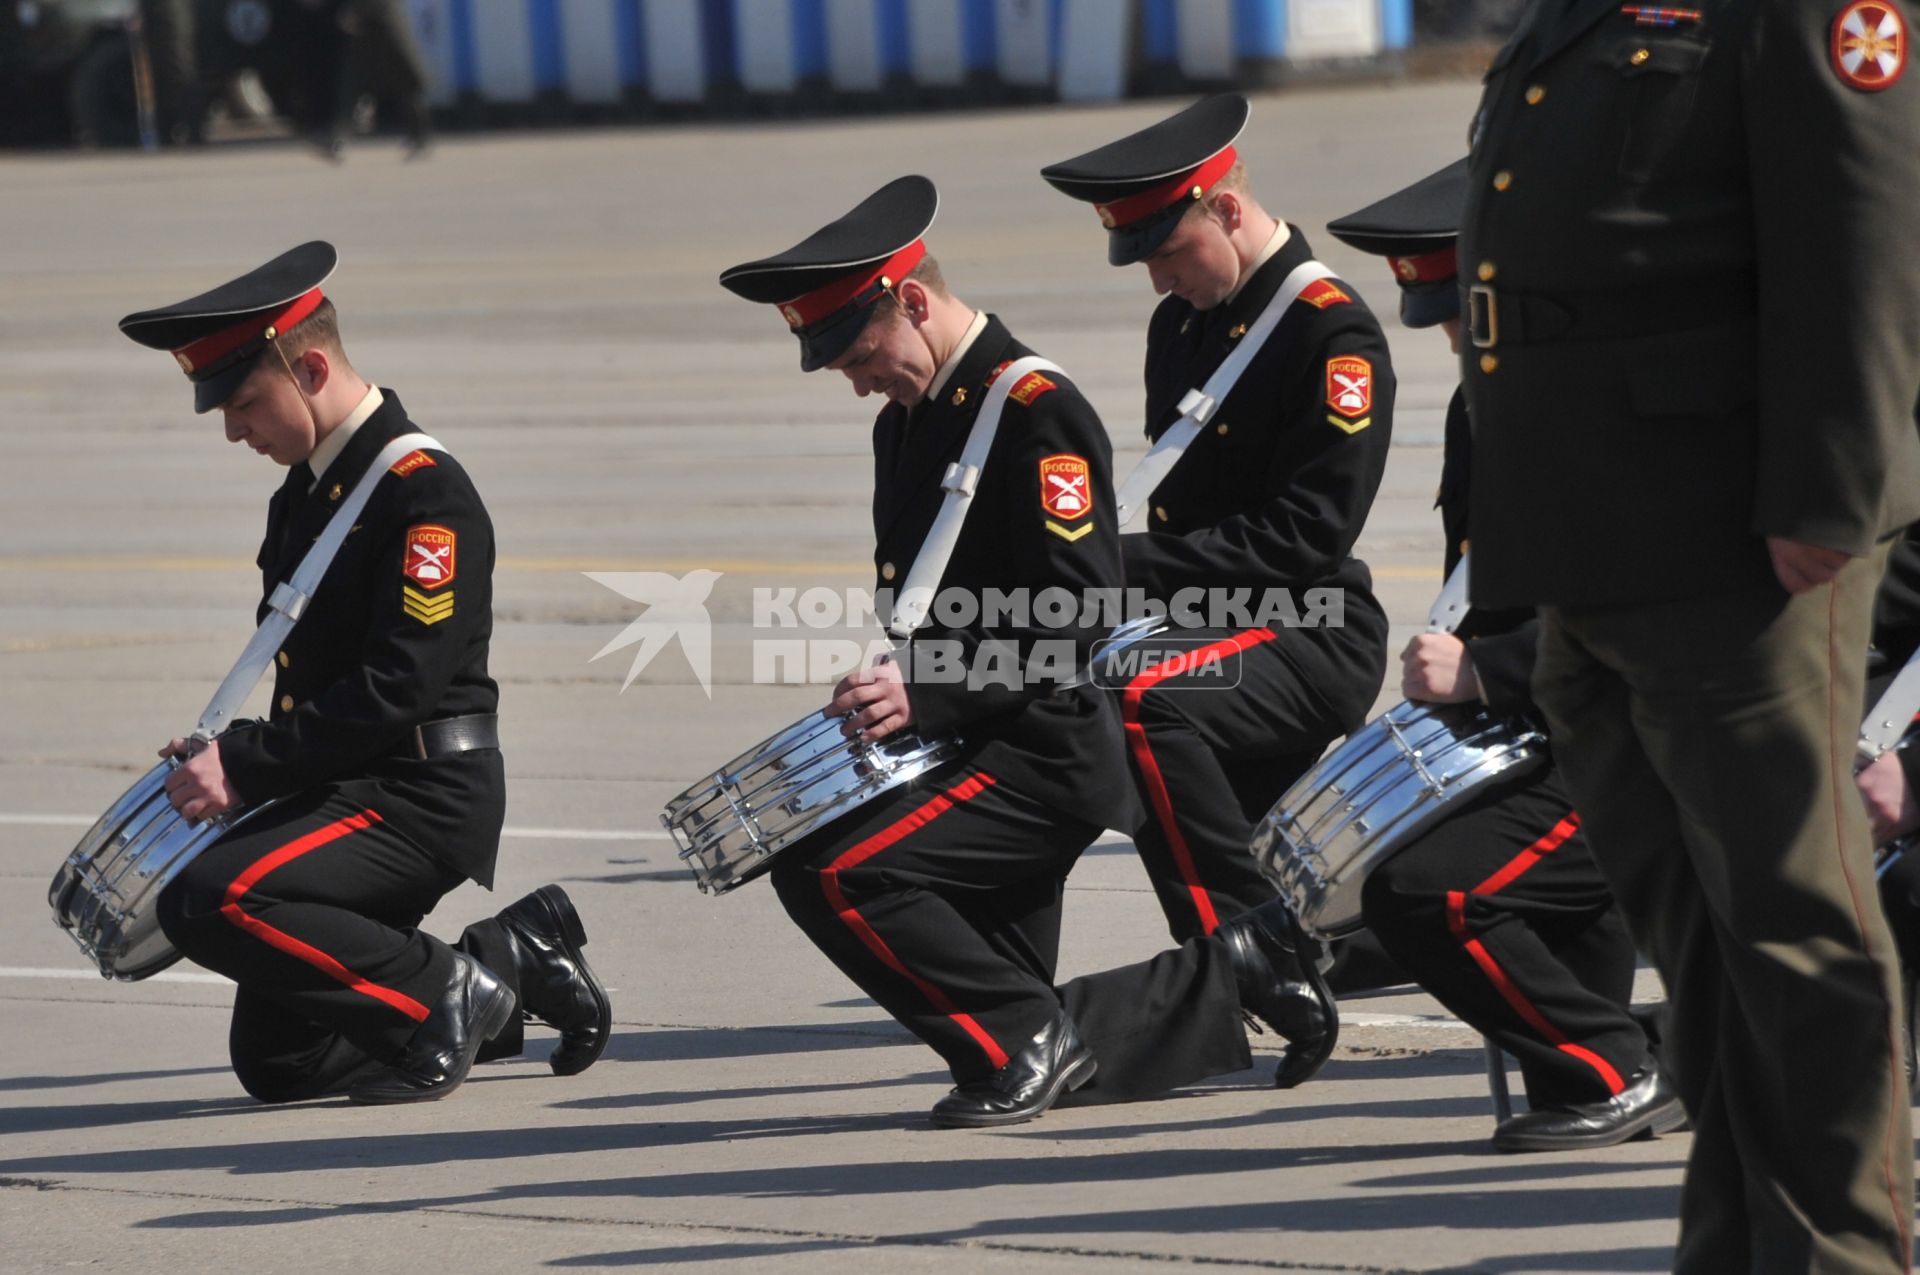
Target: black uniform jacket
column 1274, row 490
column 396, row 635
column 1502, row 642
column 1699, row 241
column 1063, row 747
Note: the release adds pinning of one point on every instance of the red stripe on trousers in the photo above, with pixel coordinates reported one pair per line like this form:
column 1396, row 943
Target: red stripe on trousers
column 292, row 946
column 851, row 918
column 1457, row 922
column 1157, row 792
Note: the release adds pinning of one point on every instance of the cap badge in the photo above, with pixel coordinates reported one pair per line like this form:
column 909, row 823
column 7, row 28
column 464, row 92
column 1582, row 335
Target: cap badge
column 791, row 315
column 186, row 364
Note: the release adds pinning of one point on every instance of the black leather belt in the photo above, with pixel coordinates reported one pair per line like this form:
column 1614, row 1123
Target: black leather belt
column 1497, row 317
column 451, row 736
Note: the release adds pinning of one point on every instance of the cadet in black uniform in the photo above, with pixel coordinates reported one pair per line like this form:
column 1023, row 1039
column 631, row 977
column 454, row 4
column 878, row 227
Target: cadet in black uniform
column 941, row 900
column 1270, row 496
column 382, row 749
column 1500, row 910
column 1690, row 231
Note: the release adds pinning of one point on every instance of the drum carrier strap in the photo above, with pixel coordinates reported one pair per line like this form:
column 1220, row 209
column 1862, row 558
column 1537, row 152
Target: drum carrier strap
column 1198, row 406
column 1892, row 714
column 290, row 597
column 915, row 601
column 1451, row 607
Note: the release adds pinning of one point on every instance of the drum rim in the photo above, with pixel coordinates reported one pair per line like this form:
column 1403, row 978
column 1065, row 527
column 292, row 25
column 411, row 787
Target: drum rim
column 1295, row 859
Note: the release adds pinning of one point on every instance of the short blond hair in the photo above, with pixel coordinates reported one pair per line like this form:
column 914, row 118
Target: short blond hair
column 318, row 331
column 1232, row 182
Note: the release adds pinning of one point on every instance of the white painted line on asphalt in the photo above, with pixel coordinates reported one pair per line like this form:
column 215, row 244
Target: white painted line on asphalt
column 583, row 834
column 531, row 834
column 537, row 834
column 93, row 976
column 185, row 976
column 1401, row 1020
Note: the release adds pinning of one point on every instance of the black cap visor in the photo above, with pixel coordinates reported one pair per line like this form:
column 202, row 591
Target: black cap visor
column 823, row 342
column 1428, row 305
column 1127, row 245
column 218, row 388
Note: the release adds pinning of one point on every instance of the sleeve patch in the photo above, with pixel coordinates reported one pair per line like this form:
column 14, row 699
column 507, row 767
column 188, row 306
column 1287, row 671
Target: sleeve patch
column 1322, row 293
column 1870, row 45
column 1350, row 386
column 1066, row 487
column 424, row 608
column 410, row 462
column 1031, row 386
column 430, row 556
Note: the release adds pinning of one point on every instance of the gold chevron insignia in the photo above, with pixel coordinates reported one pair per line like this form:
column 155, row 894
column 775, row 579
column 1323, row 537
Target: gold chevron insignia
column 1064, row 534
column 427, row 610
column 1351, row 427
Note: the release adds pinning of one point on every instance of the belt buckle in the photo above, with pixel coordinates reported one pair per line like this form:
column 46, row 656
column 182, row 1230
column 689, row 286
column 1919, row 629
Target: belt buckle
column 1483, row 316
column 419, row 744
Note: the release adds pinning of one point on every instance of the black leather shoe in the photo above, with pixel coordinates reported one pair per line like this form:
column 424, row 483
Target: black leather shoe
column 1648, row 1105
column 557, row 986
column 472, row 1010
column 1281, row 985
column 1052, row 1063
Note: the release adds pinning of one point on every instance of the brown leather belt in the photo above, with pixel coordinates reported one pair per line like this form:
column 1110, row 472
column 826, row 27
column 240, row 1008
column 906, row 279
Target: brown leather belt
column 1497, row 317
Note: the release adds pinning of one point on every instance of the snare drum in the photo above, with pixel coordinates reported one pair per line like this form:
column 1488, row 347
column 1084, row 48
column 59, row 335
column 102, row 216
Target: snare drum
column 1390, row 781
column 730, row 825
column 106, row 894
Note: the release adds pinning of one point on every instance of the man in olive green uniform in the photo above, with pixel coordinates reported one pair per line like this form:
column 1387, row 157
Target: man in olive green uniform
column 1693, row 373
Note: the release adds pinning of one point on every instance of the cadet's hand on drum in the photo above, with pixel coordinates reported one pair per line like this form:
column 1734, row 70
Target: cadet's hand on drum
column 1800, row 567
column 1436, row 669
column 877, row 698
column 1890, row 802
column 198, row 789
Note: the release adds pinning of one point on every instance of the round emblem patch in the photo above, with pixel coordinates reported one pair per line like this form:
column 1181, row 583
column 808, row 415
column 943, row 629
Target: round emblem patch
column 1870, row 45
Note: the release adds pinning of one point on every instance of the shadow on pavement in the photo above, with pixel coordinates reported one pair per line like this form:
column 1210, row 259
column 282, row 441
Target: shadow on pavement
column 103, row 1078
column 100, row 1115
column 678, row 1097
column 691, row 1044
column 690, row 1253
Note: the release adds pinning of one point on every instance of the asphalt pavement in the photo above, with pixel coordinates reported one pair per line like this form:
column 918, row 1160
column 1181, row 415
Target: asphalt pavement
column 546, row 305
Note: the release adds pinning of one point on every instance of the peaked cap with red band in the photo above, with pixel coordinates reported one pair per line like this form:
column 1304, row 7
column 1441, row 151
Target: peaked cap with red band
column 216, row 336
column 1144, row 183
column 829, row 284
column 1415, row 229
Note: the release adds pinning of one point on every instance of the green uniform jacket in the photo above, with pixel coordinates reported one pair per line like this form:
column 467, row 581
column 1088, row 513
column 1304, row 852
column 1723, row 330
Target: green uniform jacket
column 1698, row 296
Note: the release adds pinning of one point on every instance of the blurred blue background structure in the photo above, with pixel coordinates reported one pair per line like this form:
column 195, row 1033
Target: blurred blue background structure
column 799, row 51
column 69, row 68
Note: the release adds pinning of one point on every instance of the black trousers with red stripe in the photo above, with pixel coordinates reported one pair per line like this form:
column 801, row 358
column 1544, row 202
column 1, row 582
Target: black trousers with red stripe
column 1218, row 729
column 942, row 902
column 313, row 909
column 1502, row 914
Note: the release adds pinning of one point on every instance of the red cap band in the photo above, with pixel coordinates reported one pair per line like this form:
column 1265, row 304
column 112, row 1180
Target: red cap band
column 1431, row 267
column 817, row 305
column 1124, row 212
column 209, row 350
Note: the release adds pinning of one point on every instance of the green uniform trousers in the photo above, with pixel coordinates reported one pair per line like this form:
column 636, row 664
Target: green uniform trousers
column 1709, row 746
